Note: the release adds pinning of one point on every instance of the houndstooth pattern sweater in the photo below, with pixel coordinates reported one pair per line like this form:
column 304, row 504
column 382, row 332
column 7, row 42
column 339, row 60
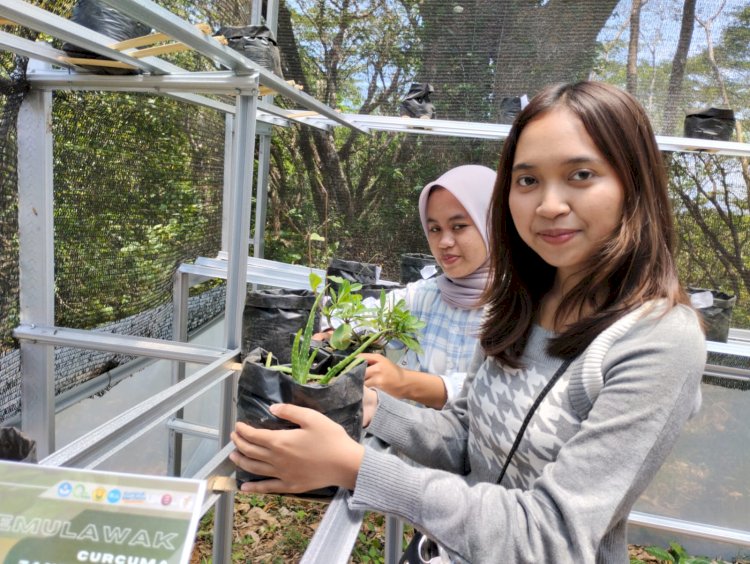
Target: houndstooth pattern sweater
column 591, row 449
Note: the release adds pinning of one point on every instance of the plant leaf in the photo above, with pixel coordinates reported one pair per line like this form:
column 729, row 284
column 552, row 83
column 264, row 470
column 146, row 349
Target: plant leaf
column 342, row 338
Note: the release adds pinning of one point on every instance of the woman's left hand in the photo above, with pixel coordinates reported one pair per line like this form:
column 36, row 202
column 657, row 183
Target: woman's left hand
column 318, row 454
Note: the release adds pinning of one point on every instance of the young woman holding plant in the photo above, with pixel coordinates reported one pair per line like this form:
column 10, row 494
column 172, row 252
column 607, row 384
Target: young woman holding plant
column 592, row 360
column 453, row 211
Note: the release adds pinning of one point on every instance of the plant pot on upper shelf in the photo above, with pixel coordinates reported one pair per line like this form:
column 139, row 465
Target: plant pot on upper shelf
column 715, row 308
column 710, row 123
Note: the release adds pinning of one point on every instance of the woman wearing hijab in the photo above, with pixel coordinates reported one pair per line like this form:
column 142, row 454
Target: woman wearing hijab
column 453, row 210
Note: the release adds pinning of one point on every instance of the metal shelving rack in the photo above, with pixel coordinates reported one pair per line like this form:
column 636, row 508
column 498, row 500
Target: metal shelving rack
column 37, row 334
column 248, row 117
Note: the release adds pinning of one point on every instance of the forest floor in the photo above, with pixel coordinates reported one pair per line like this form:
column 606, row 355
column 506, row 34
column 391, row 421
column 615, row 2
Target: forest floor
column 272, row 529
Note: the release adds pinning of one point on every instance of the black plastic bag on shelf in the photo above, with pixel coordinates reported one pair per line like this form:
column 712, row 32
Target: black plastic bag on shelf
column 260, row 387
column 16, row 446
column 374, row 289
column 107, row 21
column 716, row 309
column 413, row 267
column 353, row 271
column 710, row 123
column 257, row 43
column 417, row 103
column 272, row 317
column 510, row 107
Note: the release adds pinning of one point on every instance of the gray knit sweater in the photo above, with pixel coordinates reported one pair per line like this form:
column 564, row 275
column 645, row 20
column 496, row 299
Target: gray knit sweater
column 591, row 449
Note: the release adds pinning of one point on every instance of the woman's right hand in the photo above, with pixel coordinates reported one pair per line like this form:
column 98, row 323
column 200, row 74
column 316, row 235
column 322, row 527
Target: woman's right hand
column 384, row 375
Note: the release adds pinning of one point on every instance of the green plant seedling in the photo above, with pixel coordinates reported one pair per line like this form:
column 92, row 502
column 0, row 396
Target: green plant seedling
column 360, row 329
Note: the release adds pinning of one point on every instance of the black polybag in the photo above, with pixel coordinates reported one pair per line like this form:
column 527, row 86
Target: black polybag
column 510, row 107
column 417, row 102
column 375, row 289
column 272, row 317
column 353, row 271
column 260, row 387
column 107, row 21
column 710, row 123
column 257, row 43
column 412, row 265
column 718, row 316
column 16, row 446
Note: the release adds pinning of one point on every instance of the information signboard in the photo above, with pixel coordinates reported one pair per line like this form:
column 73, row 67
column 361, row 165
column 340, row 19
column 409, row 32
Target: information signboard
column 51, row 515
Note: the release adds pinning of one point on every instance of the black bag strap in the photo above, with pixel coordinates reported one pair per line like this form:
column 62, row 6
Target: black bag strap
column 530, row 414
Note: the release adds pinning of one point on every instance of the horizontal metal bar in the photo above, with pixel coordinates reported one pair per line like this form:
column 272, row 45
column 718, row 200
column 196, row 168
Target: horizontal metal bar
column 219, row 465
column 193, row 429
column 210, row 103
column 220, row 272
column 285, row 114
column 739, row 335
column 481, row 130
column 38, row 19
column 101, row 443
column 165, row 21
column 690, row 528
column 124, row 344
column 259, row 271
column 273, row 265
column 336, row 534
column 217, row 82
column 33, row 49
column 727, row 372
column 735, row 348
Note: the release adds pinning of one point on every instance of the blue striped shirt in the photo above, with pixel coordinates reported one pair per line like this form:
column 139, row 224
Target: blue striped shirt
column 448, row 339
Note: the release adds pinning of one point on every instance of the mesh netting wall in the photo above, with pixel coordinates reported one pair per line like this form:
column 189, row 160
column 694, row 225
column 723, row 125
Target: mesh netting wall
column 137, row 190
column 138, row 177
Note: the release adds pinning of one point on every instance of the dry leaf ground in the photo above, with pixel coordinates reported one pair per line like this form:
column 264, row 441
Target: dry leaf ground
column 274, row 529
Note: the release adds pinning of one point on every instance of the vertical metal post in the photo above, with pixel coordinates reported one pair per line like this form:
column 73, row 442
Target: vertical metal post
column 242, row 181
column 226, row 202
column 272, row 15
column 264, row 144
column 181, row 290
column 261, row 191
column 256, row 12
column 36, row 265
column 394, row 534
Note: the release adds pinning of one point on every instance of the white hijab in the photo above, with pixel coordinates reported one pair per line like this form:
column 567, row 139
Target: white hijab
column 472, row 186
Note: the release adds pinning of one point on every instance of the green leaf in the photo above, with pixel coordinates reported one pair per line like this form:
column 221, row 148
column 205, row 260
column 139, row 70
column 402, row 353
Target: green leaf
column 659, row 553
column 342, row 338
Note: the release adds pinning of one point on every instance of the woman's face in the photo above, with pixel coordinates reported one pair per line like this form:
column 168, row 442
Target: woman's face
column 565, row 198
column 454, row 239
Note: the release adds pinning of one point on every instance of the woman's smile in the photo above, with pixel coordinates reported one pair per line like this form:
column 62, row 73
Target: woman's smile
column 557, row 236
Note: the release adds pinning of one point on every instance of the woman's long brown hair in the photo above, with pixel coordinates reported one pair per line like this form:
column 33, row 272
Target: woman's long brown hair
column 634, row 265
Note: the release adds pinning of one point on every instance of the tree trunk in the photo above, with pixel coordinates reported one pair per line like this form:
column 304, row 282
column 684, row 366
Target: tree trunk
column 499, row 48
column 673, row 103
column 635, row 31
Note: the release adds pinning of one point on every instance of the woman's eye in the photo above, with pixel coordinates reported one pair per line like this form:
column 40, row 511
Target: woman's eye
column 582, row 175
column 434, row 229
column 525, row 181
column 458, row 227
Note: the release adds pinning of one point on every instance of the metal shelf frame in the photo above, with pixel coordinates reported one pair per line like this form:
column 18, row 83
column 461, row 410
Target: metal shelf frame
column 37, row 334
